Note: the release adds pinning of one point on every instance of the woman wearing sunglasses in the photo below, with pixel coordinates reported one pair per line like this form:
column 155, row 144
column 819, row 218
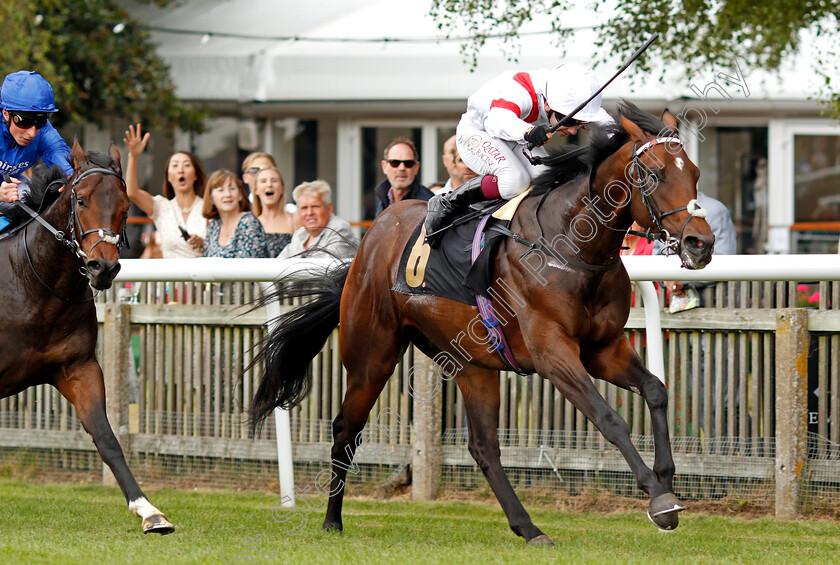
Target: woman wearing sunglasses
column 251, row 165
column 503, row 116
column 27, row 101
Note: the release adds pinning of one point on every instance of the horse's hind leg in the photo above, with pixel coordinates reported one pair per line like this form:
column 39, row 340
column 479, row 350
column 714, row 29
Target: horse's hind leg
column 84, row 387
column 480, row 388
column 370, row 360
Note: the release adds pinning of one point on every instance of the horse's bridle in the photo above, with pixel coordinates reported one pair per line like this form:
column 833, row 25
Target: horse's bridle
column 693, row 207
column 75, row 229
column 671, row 243
column 106, row 235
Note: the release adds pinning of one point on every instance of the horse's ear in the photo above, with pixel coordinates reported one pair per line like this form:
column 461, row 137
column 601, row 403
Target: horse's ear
column 669, row 120
column 79, row 157
column 635, row 132
column 114, row 153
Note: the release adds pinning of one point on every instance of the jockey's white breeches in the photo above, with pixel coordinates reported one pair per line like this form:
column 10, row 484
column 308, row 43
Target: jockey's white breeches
column 487, row 155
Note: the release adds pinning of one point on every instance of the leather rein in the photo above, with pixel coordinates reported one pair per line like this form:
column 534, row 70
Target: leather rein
column 76, row 231
column 661, row 234
column 693, row 207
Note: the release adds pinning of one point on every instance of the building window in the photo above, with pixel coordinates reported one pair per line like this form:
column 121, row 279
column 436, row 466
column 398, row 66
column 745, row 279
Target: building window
column 733, row 169
column 816, row 193
column 306, row 152
column 816, row 181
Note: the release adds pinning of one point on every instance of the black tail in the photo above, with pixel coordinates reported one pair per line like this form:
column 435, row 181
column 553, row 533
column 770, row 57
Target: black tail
column 295, row 340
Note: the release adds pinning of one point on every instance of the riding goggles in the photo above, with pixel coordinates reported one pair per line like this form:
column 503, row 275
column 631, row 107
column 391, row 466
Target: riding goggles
column 571, row 123
column 395, row 163
column 25, row 120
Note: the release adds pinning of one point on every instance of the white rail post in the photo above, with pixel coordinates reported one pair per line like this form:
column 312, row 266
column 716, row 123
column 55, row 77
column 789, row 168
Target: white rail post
column 653, row 330
column 282, row 422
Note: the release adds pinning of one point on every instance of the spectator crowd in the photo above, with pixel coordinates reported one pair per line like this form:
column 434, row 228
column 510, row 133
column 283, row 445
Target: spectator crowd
column 251, row 215
column 225, row 215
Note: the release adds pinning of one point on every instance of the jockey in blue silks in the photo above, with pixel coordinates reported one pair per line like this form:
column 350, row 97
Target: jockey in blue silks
column 27, row 100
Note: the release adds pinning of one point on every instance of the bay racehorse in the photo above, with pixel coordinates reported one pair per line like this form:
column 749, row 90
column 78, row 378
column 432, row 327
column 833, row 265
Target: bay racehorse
column 573, row 301
column 48, row 317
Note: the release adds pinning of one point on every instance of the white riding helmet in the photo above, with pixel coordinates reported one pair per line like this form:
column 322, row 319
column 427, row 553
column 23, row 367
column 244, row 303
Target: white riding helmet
column 568, row 86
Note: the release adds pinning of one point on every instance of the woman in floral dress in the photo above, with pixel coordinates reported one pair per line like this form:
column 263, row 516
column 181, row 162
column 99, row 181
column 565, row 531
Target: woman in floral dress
column 232, row 230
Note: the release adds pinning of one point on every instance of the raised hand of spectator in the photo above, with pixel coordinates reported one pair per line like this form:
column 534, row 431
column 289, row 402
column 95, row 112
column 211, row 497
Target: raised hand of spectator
column 136, row 140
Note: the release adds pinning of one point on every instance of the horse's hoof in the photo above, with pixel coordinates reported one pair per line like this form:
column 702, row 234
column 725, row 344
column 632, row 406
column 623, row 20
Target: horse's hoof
column 664, row 511
column 333, row 527
column 541, row 539
column 157, row 524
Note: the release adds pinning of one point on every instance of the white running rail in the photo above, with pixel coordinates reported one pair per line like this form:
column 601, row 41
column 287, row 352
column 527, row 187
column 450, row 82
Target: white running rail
column 642, row 269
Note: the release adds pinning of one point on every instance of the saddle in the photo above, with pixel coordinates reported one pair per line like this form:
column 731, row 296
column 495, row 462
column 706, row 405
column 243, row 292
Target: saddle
column 460, row 267
column 451, row 270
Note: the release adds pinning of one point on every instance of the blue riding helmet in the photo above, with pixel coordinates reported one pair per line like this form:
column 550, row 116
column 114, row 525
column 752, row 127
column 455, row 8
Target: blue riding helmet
column 27, row 91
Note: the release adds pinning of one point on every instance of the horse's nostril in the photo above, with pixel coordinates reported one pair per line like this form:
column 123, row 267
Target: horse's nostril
column 94, row 267
column 697, row 245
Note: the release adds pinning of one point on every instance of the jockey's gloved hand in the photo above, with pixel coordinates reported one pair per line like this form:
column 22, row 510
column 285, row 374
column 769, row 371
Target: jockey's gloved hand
column 537, row 136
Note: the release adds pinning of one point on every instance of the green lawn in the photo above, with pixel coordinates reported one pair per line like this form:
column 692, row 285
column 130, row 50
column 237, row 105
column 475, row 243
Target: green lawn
column 65, row 523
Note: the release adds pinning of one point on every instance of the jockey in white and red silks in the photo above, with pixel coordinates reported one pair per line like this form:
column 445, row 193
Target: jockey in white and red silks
column 509, row 111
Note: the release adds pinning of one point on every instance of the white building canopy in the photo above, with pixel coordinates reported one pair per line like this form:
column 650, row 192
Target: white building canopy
column 337, row 51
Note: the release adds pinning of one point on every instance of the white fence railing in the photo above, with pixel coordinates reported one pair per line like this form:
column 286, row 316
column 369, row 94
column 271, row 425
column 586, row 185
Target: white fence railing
column 641, row 269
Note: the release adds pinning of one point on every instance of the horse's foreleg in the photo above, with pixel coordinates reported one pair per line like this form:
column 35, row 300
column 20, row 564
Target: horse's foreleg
column 480, row 388
column 560, row 362
column 620, row 365
column 83, row 386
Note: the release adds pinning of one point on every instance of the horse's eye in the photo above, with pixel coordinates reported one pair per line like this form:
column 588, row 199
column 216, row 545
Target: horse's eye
column 81, row 202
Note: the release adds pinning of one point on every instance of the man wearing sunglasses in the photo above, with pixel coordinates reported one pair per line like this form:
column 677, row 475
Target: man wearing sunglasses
column 27, row 101
column 400, row 165
column 506, row 114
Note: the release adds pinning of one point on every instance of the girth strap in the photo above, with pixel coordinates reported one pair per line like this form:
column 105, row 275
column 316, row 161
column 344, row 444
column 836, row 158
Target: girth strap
column 485, row 309
column 547, row 249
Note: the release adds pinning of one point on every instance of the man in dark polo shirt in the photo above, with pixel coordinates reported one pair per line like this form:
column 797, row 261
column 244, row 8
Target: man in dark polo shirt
column 400, row 165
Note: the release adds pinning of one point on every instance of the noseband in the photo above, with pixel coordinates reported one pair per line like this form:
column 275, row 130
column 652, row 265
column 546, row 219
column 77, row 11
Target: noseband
column 76, row 231
column 74, row 225
column 693, row 207
column 106, row 235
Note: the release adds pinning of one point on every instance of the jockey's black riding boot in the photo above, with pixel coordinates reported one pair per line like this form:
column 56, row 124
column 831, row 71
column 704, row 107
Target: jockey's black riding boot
column 442, row 207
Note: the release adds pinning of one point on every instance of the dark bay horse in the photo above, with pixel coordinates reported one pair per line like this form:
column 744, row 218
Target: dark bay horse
column 573, row 301
column 48, row 317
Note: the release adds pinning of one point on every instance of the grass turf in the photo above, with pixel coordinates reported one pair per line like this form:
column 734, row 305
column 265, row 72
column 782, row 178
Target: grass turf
column 65, row 523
